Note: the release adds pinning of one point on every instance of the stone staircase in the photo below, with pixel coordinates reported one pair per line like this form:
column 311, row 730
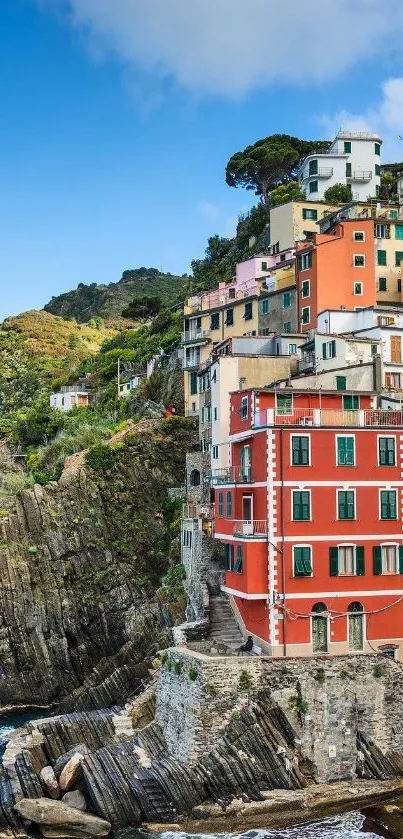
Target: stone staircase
column 224, row 628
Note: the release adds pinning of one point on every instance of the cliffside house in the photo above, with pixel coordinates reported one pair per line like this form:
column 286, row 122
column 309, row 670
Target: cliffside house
column 69, row 396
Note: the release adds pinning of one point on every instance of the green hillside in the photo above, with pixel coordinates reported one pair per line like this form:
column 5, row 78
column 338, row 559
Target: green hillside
column 106, row 301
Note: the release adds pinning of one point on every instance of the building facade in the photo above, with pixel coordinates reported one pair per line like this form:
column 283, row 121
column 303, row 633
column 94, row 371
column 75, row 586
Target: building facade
column 353, row 158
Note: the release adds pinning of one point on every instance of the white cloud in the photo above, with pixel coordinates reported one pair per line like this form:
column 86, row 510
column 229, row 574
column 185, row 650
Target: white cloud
column 386, row 117
column 208, row 210
column 229, row 47
column 230, row 226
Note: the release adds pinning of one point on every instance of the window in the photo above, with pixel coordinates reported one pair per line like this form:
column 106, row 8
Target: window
column 388, row 559
column 306, row 288
column 377, row 148
column 305, row 261
column 305, row 315
column 215, row 452
column 215, row 321
column 301, row 505
column 313, row 167
column 381, row 257
column 302, row 564
column 341, row 382
column 393, row 214
column 264, row 266
column 229, row 319
column 286, row 300
column 347, row 560
column 347, row 147
column 399, row 284
column 377, row 170
column 220, row 504
column 388, row 504
column 248, row 311
column 193, row 383
column 377, row 190
column 239, row 559
column 398, row 258
column 345, row 504
column 287, row 326
column 359, row 236
column 229, row 556
column 300, row 450
column 229, row 505
column 265, row 307
column 348, row 170
column 265, row 331
column 351, row 402
column 309, row 235
column 387, row 451
column 329, row 349
column 215, row 414
column 187, row 538
column 396, row 349
column 320, row 628
column 309, row 214
column 346, row 451
column 284, row 404
column 292, row 349
column 246, row 464
column 382, row 284
column 393, row 381
column 382, row 231
column 313, row 187
column 244, row 408
column 357, row 288
column 374, row 349
column 398, row 231
column 359, row 260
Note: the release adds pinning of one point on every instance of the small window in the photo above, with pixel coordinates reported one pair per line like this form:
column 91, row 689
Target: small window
column 388, row 504
column 229, row 505
column 359, row 260
column 301, row 505
column 284, row 404
column 393, row 381
column 305, row 261
column 387, row 451
column 302, row 561
column 393, row 214
column 359, row 236
column 306, row 288
column 351, row 402
column 347, row 147
column 398, row 258
column 305, row 315
column 382, row 231
column 313, row 167
column 229, row 319
column 248, row 311
column 377, row 148
column 215, row 321
column 220, row 505
column 341, row 383
column 265, row 307
column 313, row 187
column 348, row 170
column 286, row 300
column 300, row 450
column 382, row 284
column 287, row 326
column 244, row 408
column 381, row 257
column 265, row 331
column 357, row 288
column 307, row 213
column 347, row 560
column 309, row 235
column 377, row 170
column 377, row 190
column 345, row 451
column 215, row 452
column 345, row 504
column 388, row 559
column 329, row 349
column 292, row 349
column 264, row 266
column 374, row 349
column 398, row 231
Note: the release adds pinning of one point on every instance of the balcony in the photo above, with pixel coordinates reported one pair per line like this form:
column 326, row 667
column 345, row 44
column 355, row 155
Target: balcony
column 307, row 362
column 319, row 418
column 324, row 172
column 198, row 511
column 250, row 528
column 232, row 475
column 359, row 175
column 191, row 363
column 195, row 336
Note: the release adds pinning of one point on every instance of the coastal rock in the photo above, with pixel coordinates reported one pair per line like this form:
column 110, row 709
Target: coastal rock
column 57, row 820
column 71, row 773
column 49, row 782
column 75, row 799
column 62, row 761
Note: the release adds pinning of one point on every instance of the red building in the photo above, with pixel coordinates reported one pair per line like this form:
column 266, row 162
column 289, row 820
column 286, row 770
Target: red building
column 310, row 516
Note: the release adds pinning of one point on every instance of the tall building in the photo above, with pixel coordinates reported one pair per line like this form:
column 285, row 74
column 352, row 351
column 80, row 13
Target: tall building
column 353, row 158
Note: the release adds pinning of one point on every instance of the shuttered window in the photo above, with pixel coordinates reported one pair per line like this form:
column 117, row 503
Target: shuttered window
column 387, row 559
column 351, row 402
column 381, row 257
column 341, row 383
column 302, row 561
column 387, row 451
column 301, row 505
column 388, row 504
column 220, row 504
column 345, row 451
column 238, row 566
column 300, row 450
column 345, row 504
column 347, row 560
column 229, row 505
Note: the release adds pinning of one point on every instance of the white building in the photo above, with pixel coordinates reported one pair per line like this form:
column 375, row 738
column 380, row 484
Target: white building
column 69, row 397
column 353, row 158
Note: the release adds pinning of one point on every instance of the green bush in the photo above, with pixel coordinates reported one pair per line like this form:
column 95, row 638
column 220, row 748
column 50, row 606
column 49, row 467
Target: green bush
column 378, row 671
column 100, row 458
column 245, row 680
column 320, row 675
column 193, row 674
column 178, row 667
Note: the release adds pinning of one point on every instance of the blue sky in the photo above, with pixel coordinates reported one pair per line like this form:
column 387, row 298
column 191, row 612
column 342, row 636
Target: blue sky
column 118, row 117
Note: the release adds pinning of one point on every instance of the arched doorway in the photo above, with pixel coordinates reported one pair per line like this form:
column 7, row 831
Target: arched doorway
column 194, row 478
column 319, row 628
column 356, row 626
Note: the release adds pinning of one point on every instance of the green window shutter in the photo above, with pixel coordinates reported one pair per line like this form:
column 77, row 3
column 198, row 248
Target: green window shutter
column 324, row 351
column 239, row 559
column 220, row 504
column 346, row 505
column 387, row 455
column 377, row 169
column 348, row 170
column 347, row 147
column 377, row 148
column 304, row 450
column 381, row 257
column 302, row 562
column 399, row 231
column 334, row 562
column 304, row 213
column 333, row 349
column 301, row 506
column 388, row 504
column 377, row 559
column 400, row 559
column 229, row 505
column 359, row 561
column 345, row 451
column 313, row 167
column 193, row 383
column 341, row 383
column 398, row 258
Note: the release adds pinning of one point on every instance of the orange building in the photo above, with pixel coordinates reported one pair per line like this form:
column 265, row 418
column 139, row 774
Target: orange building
column 310, row 517
column 336, row 270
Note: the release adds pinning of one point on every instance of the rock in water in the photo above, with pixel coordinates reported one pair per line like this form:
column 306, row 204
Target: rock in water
column 75, row 799
column 71, row 773
column 49, row 782
column 58, row 820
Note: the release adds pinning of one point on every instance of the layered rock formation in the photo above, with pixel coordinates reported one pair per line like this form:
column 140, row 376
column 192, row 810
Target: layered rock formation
column 80, row 562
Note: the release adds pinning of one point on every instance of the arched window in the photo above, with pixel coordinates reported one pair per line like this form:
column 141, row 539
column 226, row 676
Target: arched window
column 319, row 628
column 195, row 478
column 355, row 626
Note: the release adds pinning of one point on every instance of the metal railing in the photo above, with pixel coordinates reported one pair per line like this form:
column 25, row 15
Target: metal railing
column 250, row 528
column 198, row 511
column 325, row 172
column 191, row 363
column 329, row 418
column 232, row 475
column 195, row 335
column 359, row 175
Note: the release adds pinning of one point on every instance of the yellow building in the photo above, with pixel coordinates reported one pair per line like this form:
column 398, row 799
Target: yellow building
column 388, row 230
column 295, row 220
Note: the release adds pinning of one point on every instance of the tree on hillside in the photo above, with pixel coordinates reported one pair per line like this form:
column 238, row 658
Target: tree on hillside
column 269, row 163
column 388, row 186
column 142, row 307
column 338, row 194
column 286, row 192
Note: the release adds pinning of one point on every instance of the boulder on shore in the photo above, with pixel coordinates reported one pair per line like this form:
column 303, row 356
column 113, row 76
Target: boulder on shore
column 63, row 760
column 49, row 782
column 71, row 773
column 75, row 799
column 57, row 820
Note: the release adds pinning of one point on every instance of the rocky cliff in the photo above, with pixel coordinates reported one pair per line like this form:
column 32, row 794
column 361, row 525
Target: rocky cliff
column 80, row 563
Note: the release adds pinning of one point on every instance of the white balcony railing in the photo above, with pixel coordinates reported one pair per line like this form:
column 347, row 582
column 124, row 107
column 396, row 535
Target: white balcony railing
column 359, row 175
column 250, row 528
column 325, row 172
column 191, row 363
column 327, row 418
column 195, row 335
column 232, row 475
